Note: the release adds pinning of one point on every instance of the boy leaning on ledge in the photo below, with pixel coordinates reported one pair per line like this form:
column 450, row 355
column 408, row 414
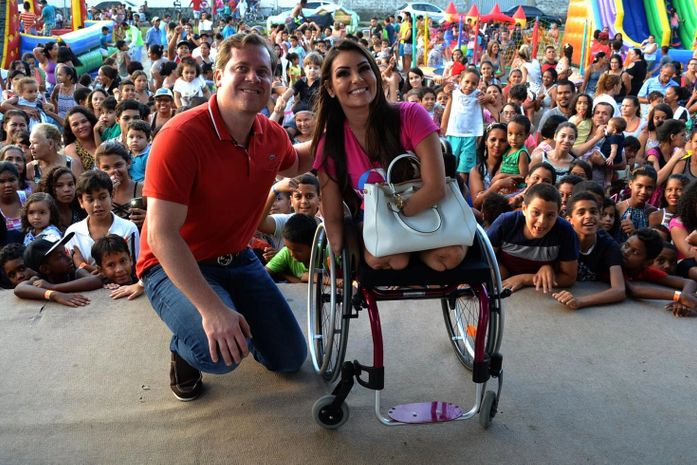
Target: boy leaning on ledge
column 57, row 279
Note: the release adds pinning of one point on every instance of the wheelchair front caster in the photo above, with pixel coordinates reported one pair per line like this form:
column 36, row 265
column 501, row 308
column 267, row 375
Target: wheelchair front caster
column 326, row 415
column 487, row 410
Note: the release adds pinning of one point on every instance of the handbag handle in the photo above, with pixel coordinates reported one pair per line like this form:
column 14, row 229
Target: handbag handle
column 408, row 155
column 398, row 215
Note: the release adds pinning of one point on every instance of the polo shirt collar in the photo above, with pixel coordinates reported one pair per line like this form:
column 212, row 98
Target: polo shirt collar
column 219, row 123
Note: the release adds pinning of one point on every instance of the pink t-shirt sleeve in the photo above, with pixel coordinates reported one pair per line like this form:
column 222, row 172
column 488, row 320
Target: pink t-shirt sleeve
column 416, row 125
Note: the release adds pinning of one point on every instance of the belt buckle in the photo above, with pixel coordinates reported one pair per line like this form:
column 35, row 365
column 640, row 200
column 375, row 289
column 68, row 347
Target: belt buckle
column 225, row 260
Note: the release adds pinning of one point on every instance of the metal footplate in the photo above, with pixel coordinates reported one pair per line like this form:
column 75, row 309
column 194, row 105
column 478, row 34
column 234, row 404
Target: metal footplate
column 425, row 412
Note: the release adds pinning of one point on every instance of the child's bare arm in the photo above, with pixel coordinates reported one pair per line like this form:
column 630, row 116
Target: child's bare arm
column 55, row 116
column 84, row 281
column 523, row 163
column 667, row 290
column 26, row 290
column 613, row 153
column 566, row 273
column 616, row 293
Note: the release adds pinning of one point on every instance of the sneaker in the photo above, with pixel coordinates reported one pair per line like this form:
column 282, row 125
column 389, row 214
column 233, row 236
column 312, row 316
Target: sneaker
column 184, row 380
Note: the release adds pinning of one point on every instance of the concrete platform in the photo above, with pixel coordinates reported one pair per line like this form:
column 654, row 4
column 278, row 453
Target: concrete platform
column 609, row 385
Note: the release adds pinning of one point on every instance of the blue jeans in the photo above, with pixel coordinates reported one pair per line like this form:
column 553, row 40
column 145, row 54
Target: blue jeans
column 277, row 341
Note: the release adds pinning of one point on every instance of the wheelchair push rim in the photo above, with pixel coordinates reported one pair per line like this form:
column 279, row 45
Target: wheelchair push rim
column 327, row 303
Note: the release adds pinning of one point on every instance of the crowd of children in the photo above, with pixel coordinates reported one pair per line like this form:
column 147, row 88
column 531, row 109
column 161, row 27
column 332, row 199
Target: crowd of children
column 573, row 179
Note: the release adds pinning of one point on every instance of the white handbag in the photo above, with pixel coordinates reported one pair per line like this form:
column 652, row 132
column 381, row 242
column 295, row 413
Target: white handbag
column 387, row 231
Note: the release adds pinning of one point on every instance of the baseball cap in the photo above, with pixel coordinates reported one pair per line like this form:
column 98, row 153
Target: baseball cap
column 38, row 250
column 156, row 18
column 164, row 92
column 603, row 36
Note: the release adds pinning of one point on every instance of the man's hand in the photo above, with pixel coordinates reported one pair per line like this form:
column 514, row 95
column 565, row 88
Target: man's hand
column 227, row 331
column 544, row 279
column 600, row 131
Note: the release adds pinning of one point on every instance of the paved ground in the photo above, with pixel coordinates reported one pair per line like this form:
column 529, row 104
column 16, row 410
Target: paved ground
column 610, row 385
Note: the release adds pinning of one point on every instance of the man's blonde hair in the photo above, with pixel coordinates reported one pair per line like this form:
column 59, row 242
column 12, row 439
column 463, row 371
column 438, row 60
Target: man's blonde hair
column 240, row 41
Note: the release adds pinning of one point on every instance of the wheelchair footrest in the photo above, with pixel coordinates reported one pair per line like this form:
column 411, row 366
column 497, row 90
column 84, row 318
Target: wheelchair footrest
column 425, row 412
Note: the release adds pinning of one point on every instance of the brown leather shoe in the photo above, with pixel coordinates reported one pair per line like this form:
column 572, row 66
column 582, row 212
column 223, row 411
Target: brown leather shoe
column 184, row 380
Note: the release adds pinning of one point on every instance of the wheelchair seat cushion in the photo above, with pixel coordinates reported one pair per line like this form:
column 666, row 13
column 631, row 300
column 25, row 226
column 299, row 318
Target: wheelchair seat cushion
column 473, row 269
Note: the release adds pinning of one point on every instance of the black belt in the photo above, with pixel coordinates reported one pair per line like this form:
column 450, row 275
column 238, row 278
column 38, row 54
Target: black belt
column 224, row 260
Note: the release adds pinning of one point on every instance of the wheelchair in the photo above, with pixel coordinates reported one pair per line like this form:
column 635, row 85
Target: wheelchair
column 470, row 297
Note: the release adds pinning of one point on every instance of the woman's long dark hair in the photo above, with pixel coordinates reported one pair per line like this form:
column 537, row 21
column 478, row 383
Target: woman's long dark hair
column 382, row 132
column 68, row 136
column 482, row 154
column 48, row 185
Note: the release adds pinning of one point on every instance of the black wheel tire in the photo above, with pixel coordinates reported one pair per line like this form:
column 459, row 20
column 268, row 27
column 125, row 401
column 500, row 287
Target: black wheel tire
column 327, row 417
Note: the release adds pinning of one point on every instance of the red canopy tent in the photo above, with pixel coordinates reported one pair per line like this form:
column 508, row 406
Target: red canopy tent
column 451, row 14
column 473, row 13
column 519, row 17
column 496, row 16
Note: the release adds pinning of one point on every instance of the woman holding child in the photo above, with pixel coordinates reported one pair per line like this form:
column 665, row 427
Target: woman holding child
column 354, row 120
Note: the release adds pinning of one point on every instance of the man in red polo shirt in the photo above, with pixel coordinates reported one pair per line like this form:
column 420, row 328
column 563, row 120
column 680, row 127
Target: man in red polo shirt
column 208, row 176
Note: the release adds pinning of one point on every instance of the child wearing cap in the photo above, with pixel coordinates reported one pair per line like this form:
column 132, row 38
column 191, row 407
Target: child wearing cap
column 57, row 279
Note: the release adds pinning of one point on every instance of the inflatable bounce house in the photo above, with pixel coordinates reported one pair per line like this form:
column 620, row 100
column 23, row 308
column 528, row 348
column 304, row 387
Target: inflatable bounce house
column 635, row 20
column 82, row 38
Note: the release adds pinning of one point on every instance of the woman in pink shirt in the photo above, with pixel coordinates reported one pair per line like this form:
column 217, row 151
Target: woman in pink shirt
column 357, row 134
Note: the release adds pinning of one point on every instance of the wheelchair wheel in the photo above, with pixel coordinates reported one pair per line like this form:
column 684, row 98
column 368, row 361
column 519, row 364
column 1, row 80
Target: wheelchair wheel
column 462, row 314
column 328, row 307
column 461, row 322
column 328, row 417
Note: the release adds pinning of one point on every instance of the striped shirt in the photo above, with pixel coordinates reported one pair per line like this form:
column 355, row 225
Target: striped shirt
column 28, row 19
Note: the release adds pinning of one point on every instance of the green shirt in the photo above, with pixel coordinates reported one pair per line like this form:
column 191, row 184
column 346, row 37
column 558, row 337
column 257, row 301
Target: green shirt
column 284, row 263
column 509, row 165
column 111, row 132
